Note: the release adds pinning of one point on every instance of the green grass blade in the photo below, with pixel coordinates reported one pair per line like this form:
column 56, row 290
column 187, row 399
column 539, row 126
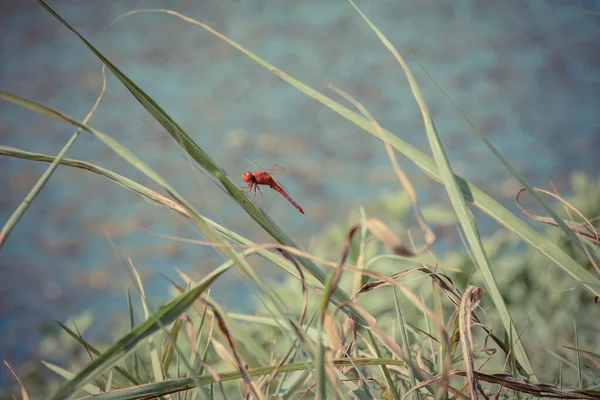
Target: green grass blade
column 153, row 348
column 96, row 352
column 20, row 211
column 405, row 344
column 168, row 355
column 384, row 368
column 131, row 326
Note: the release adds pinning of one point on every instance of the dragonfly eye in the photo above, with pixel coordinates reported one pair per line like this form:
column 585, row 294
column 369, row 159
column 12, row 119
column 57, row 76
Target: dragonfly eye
column 247, row 176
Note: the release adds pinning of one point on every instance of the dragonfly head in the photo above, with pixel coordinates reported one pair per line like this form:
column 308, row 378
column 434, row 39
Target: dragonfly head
column 248, row 177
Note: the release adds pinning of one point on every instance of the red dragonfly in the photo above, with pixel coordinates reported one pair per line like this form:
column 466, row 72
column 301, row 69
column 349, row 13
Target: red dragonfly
column 264, row 178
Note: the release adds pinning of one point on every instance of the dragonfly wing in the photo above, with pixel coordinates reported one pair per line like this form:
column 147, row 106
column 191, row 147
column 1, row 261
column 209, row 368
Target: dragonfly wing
column 276, row 168
column 253, row 163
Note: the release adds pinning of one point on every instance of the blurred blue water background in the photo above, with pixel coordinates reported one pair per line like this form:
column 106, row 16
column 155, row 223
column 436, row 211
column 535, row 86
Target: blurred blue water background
column 527, row 73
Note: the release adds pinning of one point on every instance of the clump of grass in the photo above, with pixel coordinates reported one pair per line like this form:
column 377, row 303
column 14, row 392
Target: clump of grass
column 329, row 344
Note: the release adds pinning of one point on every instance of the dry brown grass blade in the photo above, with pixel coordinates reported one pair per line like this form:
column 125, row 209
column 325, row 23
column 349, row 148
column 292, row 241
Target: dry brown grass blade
column 24, row 395
column 367, row 287
column 334, row 337
column 591, row 232
column 470, row 301
column 509, row 382
column 535, row 389
column 381, row 231
column 350, row 327
column 448, row 289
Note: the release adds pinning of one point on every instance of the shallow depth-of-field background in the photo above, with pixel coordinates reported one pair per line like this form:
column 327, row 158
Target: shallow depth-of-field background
column 528, row 75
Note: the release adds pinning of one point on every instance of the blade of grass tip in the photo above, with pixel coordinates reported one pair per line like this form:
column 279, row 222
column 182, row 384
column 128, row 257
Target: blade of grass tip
column 200, row 156
column 109, row 381
column 130, row 308
column 131, row 326
column 39, row 185
column 96, row 352
column 360, row 279
column 576, row 239
column 472, row 193
column 157, row 370
column 456, row 198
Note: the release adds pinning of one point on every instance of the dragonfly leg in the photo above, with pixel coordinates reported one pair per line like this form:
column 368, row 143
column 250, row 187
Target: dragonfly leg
column 261, row 195
column 247, row 188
